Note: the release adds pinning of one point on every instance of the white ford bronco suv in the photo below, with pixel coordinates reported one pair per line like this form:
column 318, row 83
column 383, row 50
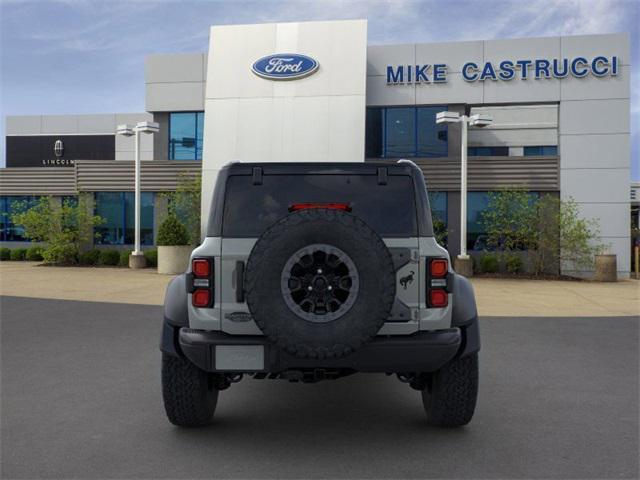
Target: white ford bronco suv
column 316, row 271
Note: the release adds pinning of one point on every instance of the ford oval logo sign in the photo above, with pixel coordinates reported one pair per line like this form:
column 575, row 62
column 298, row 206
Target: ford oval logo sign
column 285, row 66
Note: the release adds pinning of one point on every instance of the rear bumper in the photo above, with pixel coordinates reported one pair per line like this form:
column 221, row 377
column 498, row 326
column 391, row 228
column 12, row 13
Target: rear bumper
column 219, row 352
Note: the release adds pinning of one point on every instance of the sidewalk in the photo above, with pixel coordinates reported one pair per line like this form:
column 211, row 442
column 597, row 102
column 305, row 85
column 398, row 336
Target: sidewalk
column 495, row 297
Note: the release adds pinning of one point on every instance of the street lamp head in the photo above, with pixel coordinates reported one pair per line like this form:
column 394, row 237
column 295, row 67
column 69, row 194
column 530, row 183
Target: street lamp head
column 148, row 127
column 480, row 120
column 124, row 129
column 447, row 117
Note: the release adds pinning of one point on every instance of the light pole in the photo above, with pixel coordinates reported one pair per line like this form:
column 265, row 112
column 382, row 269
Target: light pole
column 136, row 259
column 463, row 263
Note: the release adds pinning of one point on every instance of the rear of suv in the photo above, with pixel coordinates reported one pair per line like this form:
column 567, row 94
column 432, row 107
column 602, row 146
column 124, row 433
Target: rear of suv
column 316, row 271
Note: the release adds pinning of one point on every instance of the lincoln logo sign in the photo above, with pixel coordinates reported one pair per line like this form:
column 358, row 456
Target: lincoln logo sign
column 505, row 70
column 58, row 148
column 285, row 66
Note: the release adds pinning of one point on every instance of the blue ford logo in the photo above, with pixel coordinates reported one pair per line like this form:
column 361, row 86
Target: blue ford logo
column 285, row 66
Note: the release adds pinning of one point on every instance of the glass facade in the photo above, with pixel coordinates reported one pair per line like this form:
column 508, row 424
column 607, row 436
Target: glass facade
column 541, row 151
column 185, row 135
column 397, row 132
column 117, row 209
column 9, row 232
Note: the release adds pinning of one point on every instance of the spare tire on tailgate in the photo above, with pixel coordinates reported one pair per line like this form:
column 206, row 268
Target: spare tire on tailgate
column 320, row 283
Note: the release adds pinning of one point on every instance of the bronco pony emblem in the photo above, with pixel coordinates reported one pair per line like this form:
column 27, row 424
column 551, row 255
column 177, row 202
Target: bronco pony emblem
column 404, row 281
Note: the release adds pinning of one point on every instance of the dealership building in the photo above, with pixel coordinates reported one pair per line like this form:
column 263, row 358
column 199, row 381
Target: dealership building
column 560, row 108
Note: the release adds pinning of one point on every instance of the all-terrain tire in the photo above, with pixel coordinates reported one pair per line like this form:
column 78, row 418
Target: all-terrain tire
column 350, row 330
column 450, row 395
column 189, row 395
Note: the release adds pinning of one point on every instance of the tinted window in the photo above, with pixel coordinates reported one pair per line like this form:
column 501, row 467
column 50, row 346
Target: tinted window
column 400, row 132
column 397, row 132
column 432, row 137
column 117, row 211
column 488, row 151
column 389, row 209
column 185, row 135
column 541, row 151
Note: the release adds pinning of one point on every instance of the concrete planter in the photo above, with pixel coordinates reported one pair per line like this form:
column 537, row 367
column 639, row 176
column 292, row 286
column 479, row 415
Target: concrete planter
column 174, row 259
column 606, row 268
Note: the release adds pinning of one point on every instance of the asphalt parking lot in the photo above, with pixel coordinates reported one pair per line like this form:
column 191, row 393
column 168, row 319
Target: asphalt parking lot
column 81, row 398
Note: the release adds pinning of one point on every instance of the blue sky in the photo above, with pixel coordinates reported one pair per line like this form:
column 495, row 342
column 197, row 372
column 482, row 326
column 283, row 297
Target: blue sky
column 84, row 56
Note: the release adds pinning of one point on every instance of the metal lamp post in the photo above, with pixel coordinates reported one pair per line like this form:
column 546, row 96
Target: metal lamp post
column 136, row 259
column 464, row 264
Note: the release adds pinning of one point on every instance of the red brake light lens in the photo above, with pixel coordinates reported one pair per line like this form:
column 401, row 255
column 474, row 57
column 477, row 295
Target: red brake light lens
column 332, row 206
column 439, row 268
column 201, row 267
column 438, row 298
column 201, row 297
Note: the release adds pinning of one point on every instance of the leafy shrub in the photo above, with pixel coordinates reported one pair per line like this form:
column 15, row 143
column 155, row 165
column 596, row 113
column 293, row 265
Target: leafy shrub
column 489, row 263
column 124, row 258
column 109, row 257
column 513, row 264
column 34, row 254
column 172, row 232
column 18, row 254
column 90, row 257
column 63, row 227
column 152, row 258
column 5, row 254
column 61, row 254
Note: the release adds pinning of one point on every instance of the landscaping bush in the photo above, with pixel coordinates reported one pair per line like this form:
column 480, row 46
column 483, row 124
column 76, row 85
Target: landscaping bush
column 489, row 263
column 124, row 258
column 90, row 257
column 5, row 254
column 61, row 254
column 18, row 254
column 109, row 257
column 513, row 263
column 63, row 227
column 151, row 257
column 34, row 254
column 172, row 232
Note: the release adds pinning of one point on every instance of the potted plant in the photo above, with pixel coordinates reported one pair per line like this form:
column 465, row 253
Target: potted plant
column 173, row 246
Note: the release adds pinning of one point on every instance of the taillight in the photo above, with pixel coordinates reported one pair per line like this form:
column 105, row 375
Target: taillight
column 200, row 282
column 332, row 206
column 438, row 298
column 201, row 298
column 437, row 282
column 439, row 268
column 201, row 267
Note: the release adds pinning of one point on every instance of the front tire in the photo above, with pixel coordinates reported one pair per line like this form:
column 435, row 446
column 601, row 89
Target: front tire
column 450, row 394
column 189, row 394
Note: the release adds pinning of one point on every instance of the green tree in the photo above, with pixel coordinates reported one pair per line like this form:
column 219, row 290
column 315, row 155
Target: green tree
column 184, row 203
column 509, row 219
column 63, row 227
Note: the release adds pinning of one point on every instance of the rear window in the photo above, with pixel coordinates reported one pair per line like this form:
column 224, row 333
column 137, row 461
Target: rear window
column 250, row 209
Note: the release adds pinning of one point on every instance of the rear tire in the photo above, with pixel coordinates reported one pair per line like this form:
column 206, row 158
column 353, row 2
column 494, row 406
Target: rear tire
column 450, row 395
column 189, row 395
